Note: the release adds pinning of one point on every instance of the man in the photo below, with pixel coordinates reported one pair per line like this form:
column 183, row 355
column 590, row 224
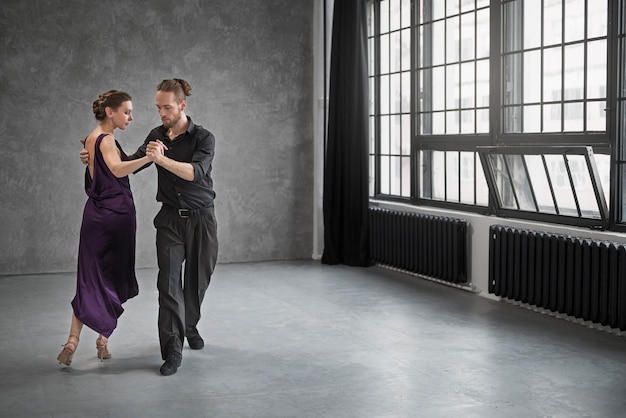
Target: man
column 186, row 225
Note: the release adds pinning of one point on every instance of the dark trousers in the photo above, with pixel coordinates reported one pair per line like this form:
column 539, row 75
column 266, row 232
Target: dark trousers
column 191, row 240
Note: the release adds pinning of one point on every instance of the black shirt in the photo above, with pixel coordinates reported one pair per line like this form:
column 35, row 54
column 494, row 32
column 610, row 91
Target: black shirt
column 195, row 146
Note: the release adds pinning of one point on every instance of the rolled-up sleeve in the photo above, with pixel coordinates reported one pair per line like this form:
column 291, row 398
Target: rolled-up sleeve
column 203, row 157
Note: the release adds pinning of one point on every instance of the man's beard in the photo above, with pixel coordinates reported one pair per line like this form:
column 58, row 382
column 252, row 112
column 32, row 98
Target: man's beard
column 172, row 122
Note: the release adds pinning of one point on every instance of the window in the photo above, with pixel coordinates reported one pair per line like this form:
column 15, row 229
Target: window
column 554, row 74
column 621, row 112
column 453, row 82
column 390, row 110
column 547, row 181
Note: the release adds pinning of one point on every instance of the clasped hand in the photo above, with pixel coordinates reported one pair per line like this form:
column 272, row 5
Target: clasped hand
column 155, row 150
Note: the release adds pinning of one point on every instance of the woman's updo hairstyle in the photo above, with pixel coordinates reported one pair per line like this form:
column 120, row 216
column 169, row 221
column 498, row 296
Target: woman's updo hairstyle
column 112, row 99
column 180, row 87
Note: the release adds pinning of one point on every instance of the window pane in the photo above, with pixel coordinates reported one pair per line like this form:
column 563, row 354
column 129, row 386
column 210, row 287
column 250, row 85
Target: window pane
column 406, row 13
column 623, row 180
column 603, row 165
column 439, row 123
column 552, row 22
column 370, row 57
column 467, row 5
column 482, row 121
column 596, row 23
column 539, row 182
column 482, row 189
column 372, row 95
column 561, row 184
column 573, row 117
column 438, row 175
column 438, row 84
column 395, row 135
column 467, row 36
column 574, row 72
column 422, row 53
column 467, row 85
column 532, row 119
column 406, row 135
column 596, row 116
column 395, row 52
column 425, row 80
column 512, row 79
column 532, row 77
column 452, row 86
column 395, row 173
column 372, row 182
column 468, row 122
column 372, row 127
column 384, row 134
column 452, row 122
column 406, row 92
column 596, row 69
column 438, row 43
column 406, row 49
column 394, row 15
column 384, row 16
column 520, row 182
column 552, row 118
column 502, row 180
column 384, row 54
column 583, row 186
column 482, row 83
column 452, row 7
column 452, row 40
column 395, row 93
column 438, row 8
column 574, row 20
column 384, row 174
column 622, row 129
column 511, row 27
column 552, row 74
column 384, row 94
column 482, row 33
column 532, row 15
column 452, row 176
column 406, row 176
column 512, row 119
column 468, row 172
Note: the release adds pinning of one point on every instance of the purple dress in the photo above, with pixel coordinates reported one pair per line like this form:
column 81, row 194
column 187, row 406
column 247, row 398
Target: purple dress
column 106, row 252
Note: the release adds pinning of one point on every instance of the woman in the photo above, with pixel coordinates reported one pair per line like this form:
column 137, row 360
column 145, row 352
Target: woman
column 106, row 253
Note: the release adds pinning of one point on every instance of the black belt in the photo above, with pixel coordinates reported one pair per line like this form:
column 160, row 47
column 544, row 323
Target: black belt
column 190, row 213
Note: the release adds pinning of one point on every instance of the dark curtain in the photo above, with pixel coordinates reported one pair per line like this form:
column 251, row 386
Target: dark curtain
column 346, row 171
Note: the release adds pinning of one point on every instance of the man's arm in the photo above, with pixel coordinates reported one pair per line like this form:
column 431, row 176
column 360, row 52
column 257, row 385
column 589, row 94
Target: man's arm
column 155, row 150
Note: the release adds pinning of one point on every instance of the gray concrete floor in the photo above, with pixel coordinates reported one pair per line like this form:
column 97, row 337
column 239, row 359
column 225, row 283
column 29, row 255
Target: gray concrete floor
column 301, row 339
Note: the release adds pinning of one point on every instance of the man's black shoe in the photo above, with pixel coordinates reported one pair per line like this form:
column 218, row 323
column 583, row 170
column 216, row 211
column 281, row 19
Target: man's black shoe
column 195, row 342
column 172, row 363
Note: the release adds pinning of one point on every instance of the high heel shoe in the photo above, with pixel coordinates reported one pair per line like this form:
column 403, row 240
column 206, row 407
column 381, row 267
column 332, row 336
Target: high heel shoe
column 103, row 348
column 65, row 356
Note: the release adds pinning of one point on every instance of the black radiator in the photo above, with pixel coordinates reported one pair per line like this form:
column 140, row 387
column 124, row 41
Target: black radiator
column 433, row 246
column 579, row 277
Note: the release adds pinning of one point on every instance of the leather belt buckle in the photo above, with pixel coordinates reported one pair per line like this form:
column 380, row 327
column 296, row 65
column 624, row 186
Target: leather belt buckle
column 184, row 213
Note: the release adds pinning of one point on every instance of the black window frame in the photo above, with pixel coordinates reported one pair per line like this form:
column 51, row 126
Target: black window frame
column 609, row 142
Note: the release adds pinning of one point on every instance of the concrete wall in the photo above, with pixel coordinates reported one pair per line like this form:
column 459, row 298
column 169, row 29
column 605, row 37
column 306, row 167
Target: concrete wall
column 250, row 65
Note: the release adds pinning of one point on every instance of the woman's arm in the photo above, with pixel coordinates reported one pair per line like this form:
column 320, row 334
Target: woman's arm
column 112, row 158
